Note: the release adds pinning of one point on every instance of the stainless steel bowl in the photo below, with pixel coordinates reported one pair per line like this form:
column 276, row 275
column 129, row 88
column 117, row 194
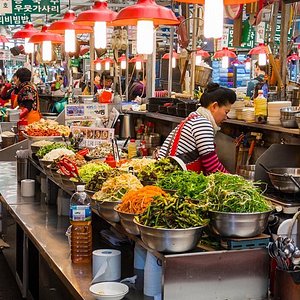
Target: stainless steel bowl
column 126, row 220
column 240, row 225
column 170, row 240
column 282, row 182
column 287, row 116
column 297, row 117
column 106, row 210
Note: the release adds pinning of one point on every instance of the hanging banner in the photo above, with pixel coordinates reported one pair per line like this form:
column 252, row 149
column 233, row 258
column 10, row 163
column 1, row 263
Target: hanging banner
column 5, row 7
column 36, row 6
column 11, row 19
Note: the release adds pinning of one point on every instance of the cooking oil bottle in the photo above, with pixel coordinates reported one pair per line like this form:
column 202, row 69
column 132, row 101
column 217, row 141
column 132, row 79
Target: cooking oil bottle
column 260, row 108
column 132, row 149
column 81, row 230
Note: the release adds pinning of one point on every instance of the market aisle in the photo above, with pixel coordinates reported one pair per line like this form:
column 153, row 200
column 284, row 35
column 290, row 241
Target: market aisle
column 8, row 286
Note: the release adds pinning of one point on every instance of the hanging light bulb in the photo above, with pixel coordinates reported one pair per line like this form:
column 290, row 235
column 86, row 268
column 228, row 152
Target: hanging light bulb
column 100, row 35
column 138, row 65
column 262, row 59
column 225, row 62
column 213, row 18
column 198, row 60
column 47, row 51
column 123, row 64
column 98, row 66
column 144, row 29
column 70, row 40
column 28, row 47
column 173, row 62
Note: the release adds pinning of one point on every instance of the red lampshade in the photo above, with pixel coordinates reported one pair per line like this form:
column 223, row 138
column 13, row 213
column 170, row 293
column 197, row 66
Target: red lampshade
column 260, row 49
column 98, row 60
column 67, row 23
column 236, row 62
column 167, row 55
column 224, row 52
column 294, row 56
column 226, row 2
column 107, row 59
column 44, row 36
column 3, row 39
column 145, row 10
column 202, row 53
column 27, row 32
column 99, row 13
column 137, row 58
column 122, row 58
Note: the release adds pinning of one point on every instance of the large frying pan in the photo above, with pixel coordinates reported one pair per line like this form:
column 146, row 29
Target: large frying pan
column 286, row 180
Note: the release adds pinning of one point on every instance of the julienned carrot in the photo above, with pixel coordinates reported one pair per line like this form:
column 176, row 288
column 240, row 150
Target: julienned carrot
column 136, row 202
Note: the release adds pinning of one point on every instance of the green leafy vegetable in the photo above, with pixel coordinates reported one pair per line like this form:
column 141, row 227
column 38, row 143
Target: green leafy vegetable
column 233, row 193
column 87, row 172
column 46, row 149
column 172, row 213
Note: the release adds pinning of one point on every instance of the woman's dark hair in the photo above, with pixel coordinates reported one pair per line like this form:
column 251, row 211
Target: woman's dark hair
column 262, row 68
column 215, row 93
column 23, row 74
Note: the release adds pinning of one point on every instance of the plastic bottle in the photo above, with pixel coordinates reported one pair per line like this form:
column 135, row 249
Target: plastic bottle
column 132, row 149
column 143, row 150
column 260, row 108
column 81, row 230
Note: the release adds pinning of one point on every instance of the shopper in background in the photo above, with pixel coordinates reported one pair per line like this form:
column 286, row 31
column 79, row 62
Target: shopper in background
column 9, row 93
column 27, row 96
column 138, row 87
column 258, row 82
column 106, row 80
column 193, row 139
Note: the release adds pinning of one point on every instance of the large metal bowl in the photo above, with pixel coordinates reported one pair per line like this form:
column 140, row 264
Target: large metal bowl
column 281, row 180
column 170, row 240
column 239, row 225
column 126, row 220
column 106, row 210
column 287, row 116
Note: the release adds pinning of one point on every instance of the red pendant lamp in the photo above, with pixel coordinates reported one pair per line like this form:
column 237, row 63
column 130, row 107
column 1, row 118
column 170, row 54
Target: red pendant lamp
column 46, row 39
column 69, row 29
column 97, row 63
column 138, row 60
column 294, row 56
column 107, row 62
column 122, row 60
column 44, row 35
column 175, row 56
column 224, row 55
column 27, row 32
column 99, row 17
column 262, row 51
column 200, row 54
column 3, row 39
column 145, row 14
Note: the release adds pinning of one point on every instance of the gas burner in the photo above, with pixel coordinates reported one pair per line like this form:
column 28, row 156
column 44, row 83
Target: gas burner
column 286, row 203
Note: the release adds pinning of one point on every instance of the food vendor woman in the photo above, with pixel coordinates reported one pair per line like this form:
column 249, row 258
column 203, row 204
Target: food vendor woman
column 27, row 96
column 193, row 139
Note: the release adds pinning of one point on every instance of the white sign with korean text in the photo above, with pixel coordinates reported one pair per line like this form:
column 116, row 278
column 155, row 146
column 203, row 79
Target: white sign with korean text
column 86, row 111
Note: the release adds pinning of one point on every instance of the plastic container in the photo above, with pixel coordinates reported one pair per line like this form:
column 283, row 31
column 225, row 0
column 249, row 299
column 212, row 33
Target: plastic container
column 132, row 149
column 260, row 108
column 110, row 160
column 81, row 230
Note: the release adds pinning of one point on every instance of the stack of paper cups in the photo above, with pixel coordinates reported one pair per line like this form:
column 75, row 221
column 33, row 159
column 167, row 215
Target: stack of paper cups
column 152, row 276
column 139, row 257
column 106, row 265
column 27, row 187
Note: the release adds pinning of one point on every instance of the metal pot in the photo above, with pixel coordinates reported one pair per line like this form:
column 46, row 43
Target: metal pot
column 247, row 171
column 282, row 179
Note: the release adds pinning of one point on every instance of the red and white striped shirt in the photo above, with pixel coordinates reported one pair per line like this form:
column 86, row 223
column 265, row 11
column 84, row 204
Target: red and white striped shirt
column 196, row 141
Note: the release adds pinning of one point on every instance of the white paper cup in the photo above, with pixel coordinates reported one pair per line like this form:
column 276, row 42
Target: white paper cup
column 27, row 188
